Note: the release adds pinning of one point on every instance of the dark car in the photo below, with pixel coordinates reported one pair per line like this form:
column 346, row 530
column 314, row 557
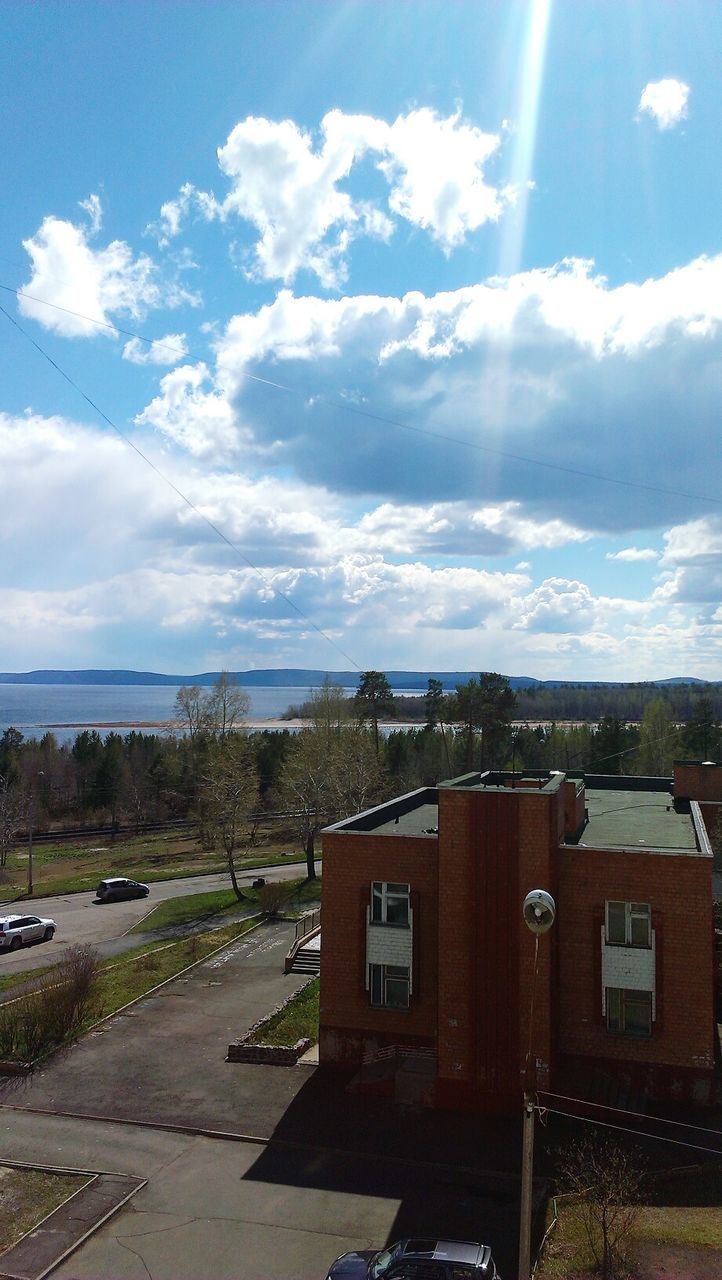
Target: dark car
column 418, row 1260
column 116, row 888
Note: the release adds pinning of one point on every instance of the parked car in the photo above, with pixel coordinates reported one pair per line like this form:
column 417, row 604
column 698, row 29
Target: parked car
column 20, row 931
column 259, row 882
column 115, row 888
column 418, row 1260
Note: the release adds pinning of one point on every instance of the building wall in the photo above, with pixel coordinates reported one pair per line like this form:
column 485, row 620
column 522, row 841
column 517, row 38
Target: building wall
column 678, row 888
column 540, row 829
column 350, row 1026
column 695, row 781
column 478, row 1042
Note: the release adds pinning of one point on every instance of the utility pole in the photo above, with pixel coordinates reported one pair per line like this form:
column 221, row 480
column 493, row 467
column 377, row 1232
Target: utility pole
column 31, row 820
column 527, row 1182
column 539, row 912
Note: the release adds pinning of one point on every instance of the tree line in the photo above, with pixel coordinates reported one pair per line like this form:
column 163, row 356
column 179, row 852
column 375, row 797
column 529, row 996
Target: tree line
column 340, row 762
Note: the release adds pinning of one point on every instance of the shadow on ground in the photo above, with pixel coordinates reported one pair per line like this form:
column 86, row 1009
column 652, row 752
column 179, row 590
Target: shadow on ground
column 451, row 1175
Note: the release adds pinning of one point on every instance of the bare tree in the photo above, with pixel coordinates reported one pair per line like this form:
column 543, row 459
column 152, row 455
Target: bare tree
column 606, row 1181
column 11, row 813
column 226, row 705
column 326, row 776
column 229, row 794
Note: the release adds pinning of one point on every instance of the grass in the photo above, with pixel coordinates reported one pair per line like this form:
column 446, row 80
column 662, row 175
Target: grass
column 297, row 1020
column 682, row 1208
column 72, row 868
column 204, row 906
column 29, row 1195
column 138, row 971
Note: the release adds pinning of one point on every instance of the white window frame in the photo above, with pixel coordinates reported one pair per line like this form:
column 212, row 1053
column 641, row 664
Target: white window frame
column 633, row 911
column 389, row 973
column 393, row 890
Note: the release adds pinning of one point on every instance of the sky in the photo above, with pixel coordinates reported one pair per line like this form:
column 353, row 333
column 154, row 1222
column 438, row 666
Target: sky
column 361, row 333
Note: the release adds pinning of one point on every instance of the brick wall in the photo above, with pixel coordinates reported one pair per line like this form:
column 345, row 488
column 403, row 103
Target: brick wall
column 697, row 781
column 678, row 887
column 349, row 1026
column 574, row 807
column 540, row 828
column 478, row 1048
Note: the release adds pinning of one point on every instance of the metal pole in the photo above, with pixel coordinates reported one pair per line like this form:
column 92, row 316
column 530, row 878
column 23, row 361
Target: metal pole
column 30, row 842
column 527, row 1175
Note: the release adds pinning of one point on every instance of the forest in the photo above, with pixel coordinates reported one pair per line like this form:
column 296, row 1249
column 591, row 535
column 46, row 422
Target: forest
column 347, row 757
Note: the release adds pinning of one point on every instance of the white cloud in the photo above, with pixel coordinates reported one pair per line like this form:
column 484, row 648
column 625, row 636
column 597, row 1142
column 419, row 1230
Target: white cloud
column 435, row 169
column 289, row 188
column 550, row 364
column 94, row 210
column 631, row 554
column 166, row 350
column 569, row 606
column 692, row 564
column 94, row 283
column 665, row 101
column 201, row 421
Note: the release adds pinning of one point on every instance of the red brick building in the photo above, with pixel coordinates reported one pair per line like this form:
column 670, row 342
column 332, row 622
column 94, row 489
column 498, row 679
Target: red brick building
column 425, row 952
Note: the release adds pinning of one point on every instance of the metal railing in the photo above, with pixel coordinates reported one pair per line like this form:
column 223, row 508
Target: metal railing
column 310, row 921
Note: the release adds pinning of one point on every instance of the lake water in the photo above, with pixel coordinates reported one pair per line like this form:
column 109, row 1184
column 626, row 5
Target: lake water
column 31, row 707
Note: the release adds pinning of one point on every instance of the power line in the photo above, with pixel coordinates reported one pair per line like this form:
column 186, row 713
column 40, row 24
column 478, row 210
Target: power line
column 635, row 1133
column 180, row 494
column 381, row 419
column 638, row 1115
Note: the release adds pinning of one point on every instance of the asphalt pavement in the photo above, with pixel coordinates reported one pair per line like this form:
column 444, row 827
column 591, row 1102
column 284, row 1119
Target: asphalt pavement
column 300, row 1170
column 81, row 918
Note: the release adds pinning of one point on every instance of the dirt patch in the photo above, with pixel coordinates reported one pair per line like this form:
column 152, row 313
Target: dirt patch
column 676, row 1262
column 29, row 1195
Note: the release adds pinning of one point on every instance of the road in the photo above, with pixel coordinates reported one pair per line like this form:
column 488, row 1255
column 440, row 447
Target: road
column 80, row 918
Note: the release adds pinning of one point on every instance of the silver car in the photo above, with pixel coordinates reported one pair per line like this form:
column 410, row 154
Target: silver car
column 19, row 931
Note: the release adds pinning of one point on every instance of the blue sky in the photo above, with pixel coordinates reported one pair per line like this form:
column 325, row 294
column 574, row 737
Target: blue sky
column 432, row 295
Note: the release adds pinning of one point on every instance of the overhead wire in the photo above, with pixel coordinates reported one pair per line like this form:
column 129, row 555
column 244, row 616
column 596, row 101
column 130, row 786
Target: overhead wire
column 639, row 1115
column 380, row 419
column 635, row 1133
column 180, row 494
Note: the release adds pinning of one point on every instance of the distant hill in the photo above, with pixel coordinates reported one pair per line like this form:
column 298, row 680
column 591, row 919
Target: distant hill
column 307, row 678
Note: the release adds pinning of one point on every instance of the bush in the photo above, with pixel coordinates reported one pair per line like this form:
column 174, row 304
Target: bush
column 53, row 1013
column 605, row 1180
column 271, row 897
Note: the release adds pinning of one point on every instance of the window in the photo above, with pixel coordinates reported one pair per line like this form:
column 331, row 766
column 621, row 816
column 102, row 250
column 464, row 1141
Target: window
column 389, row 903
column 629, row 1013
column 389, row 985
column 629, row 924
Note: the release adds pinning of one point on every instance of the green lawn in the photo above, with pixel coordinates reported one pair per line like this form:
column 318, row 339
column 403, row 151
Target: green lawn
column 72, row 868
column 132, row 975
column 204, row 906
column 683, row 1207
column 297, row 1020
column 29, row 1195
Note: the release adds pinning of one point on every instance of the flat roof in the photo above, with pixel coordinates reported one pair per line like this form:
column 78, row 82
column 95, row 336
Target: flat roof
column 423, row 821
column 636, row 819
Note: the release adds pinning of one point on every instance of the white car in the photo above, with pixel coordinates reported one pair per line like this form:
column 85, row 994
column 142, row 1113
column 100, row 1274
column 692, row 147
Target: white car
column 19, row 931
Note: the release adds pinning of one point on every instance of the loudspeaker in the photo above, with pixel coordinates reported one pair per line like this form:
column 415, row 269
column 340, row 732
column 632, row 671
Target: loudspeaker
column 539, row 910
